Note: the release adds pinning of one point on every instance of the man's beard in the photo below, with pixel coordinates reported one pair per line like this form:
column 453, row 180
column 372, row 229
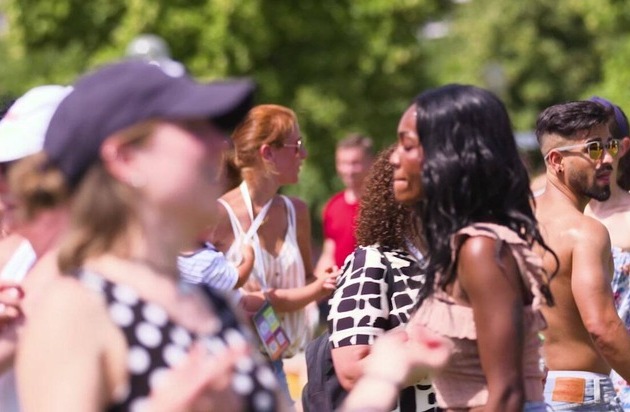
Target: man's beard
column 580, row 182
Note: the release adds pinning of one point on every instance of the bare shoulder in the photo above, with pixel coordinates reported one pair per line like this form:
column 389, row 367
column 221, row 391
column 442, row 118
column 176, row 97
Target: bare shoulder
column 564, row 227
column 480, row 269
column 67, row 309
column 591, row 231
column 233, row 198
column 479, row 253
column 479, row 249
column 221, row 235
column 232, row 195
column 300, row 206
column 302, row 213
column 66, row 298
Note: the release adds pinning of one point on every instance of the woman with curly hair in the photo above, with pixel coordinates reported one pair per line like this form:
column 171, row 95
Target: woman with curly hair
column 457, row 164
column 379, row 285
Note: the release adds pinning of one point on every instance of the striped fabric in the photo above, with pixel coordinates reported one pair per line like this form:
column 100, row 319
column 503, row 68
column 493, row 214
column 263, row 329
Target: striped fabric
column 208, row 266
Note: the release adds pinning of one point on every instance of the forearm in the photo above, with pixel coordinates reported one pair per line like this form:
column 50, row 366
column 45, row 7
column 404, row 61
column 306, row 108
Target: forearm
column 243, row 270
column 372, row 393
column 613, row 343
column 290, row 300
column 508, row 398
column 348, row 363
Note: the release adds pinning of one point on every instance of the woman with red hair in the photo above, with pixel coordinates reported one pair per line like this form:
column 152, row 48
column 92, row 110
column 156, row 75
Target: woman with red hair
column 269, row 152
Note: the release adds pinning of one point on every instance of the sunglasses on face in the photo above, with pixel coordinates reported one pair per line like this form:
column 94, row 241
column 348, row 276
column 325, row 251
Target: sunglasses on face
column 595, row 148
column 297, row 146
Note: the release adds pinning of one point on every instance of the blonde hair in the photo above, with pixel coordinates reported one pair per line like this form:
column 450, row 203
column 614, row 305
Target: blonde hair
column 102, row 211
column 264, row 124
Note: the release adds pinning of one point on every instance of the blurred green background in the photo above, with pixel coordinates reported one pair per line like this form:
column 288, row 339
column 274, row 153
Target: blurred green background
column 342, row 65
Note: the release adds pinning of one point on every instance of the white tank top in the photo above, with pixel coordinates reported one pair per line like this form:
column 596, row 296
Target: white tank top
column 285, row 271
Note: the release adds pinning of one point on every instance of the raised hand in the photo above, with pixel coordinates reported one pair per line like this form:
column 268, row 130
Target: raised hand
column 208, row 384
column 11, row 295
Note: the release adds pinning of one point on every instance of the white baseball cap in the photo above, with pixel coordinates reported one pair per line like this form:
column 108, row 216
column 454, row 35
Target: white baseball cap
column 24, row 126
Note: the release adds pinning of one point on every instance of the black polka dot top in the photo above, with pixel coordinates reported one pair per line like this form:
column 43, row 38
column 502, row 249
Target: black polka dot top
column 156, row 343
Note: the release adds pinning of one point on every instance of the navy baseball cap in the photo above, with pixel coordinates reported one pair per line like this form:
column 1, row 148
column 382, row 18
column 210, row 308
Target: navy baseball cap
column 123, row 94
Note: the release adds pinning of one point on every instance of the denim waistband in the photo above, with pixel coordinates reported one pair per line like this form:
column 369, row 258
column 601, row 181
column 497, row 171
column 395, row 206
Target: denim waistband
column 567, row 390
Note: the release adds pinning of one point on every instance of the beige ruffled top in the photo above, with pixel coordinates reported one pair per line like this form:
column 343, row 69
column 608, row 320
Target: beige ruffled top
column 462, row 383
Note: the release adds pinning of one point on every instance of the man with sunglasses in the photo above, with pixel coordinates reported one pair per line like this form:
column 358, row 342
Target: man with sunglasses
column 614, row 213
column 585, row 337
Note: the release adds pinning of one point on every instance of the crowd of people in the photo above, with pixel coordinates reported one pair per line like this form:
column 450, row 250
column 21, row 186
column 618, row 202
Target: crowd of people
column 149, row 262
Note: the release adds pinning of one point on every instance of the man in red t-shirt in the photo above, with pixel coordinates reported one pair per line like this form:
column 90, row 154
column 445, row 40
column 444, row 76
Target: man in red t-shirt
column 353, row 158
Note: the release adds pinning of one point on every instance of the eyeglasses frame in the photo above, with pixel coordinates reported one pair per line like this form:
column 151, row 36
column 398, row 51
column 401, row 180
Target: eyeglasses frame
column 606, row 146
column 298, row 146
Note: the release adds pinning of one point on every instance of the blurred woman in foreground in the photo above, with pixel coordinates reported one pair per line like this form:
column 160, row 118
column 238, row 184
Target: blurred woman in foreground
column 140, row 152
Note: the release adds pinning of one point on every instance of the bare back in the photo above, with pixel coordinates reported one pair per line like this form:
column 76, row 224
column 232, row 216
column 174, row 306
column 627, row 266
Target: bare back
column 581, row 284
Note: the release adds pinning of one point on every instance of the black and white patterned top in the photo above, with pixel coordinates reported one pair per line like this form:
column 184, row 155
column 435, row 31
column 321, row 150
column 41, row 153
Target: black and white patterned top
column 156, row 343
column 360, row 311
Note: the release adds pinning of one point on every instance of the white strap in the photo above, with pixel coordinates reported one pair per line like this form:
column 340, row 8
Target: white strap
column 20, row 262
column 292, row 223
column 253, row 229
column 252, row 234
column 237, row 229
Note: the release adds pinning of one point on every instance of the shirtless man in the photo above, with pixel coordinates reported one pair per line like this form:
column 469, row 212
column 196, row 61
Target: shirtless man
column 614, row 213
column 585, row 336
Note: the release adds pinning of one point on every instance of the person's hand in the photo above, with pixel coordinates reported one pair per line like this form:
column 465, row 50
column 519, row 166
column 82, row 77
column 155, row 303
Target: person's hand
column 202, row 382
column 327, row 281
column 403, row 357
column 251, row 303
column 11, row 296
column 429, row 351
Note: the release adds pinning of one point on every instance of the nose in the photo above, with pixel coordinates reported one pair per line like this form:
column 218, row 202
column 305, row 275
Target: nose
column 394, row 157
column 606, row 157
column 303, row 152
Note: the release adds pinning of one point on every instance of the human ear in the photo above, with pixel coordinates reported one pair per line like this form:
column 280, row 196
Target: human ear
column 118, row 157
column 265, row 152
column 554, row 160
column 625, row 145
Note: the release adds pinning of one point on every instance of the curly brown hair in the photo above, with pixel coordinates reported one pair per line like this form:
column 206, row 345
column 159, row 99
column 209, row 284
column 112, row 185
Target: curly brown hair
column 381, row 219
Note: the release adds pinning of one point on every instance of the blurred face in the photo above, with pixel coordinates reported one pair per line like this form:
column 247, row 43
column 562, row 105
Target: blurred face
column 289, row 157
column 353, row 165
column 183, row 166
column 407, row 160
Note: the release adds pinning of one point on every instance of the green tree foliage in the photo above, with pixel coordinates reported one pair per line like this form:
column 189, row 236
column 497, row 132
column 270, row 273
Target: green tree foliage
column 533, row 45
column 342, row 65
column 545, row 52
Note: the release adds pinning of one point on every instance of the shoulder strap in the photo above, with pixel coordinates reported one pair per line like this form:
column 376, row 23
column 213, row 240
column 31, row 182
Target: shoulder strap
column 237, row 229
column 292, row 223
column 20, row 262
column 252, row 232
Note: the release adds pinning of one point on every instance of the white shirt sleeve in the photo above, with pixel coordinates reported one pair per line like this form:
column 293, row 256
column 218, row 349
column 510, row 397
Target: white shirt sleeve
column 210, row 267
